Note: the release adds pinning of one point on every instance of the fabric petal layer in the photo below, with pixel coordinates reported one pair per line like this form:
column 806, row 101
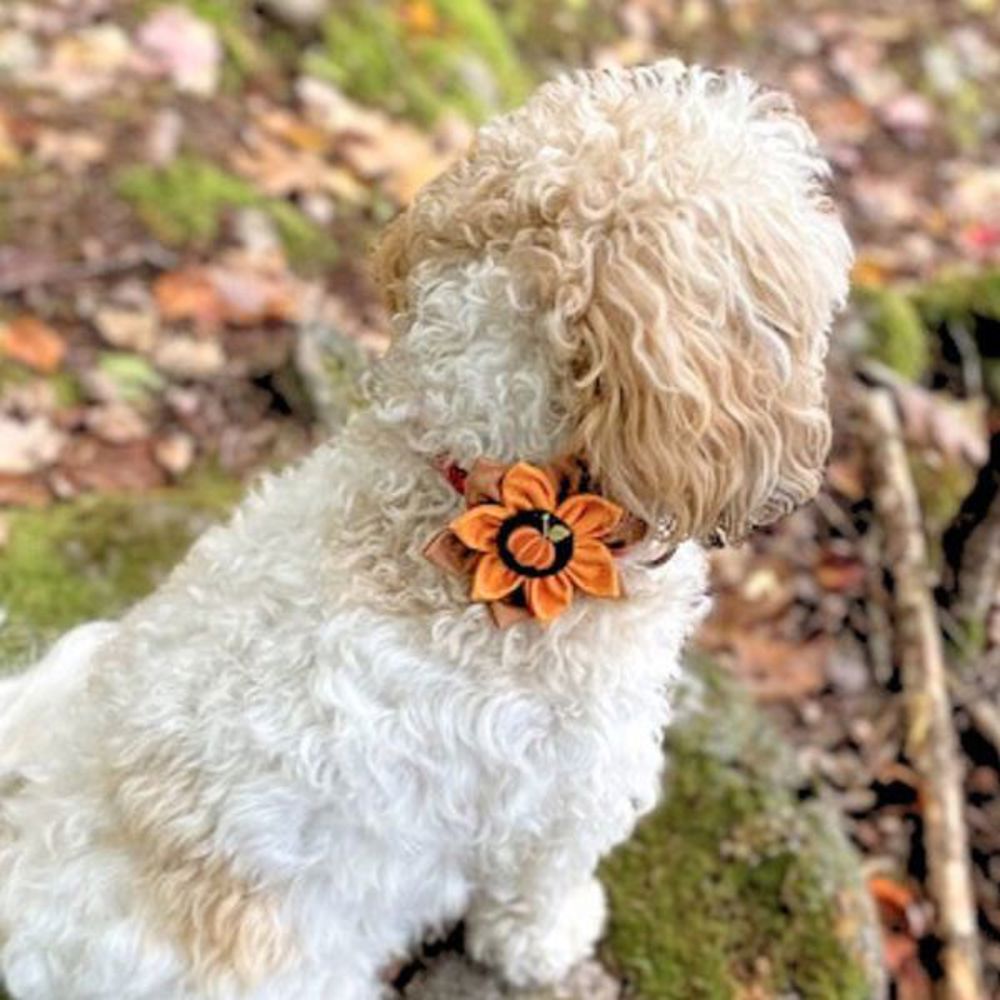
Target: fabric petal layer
column 589, row 516
column 526, row 488
column 593, row 569
column 493, row 579
column 478, row 526
column 549, row 596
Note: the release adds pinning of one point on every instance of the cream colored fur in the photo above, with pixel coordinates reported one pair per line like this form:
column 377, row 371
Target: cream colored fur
column 307, row 749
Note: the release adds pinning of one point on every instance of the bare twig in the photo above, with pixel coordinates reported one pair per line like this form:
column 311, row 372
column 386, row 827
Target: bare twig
column 931, row 740
column 22, row 275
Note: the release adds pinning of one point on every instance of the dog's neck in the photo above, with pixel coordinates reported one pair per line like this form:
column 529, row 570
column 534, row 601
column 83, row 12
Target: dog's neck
column 471, row 373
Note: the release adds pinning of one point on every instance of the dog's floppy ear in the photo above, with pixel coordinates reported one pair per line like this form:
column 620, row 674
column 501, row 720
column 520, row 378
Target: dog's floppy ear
column 696, row 333
column 390, row 263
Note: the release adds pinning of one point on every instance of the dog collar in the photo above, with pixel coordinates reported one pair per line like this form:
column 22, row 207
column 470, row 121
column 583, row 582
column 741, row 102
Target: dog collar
column 532, row 536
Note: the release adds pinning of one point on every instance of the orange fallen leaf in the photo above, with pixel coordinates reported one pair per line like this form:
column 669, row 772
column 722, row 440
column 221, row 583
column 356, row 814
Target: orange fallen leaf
column 227, row 294
column 841, row 573
column 846, row 475
column 420, row 17
column 891, row 896
column 29, row 341
column 189, row 295
column 870, row 273
column 778, row 670
column 23, row 491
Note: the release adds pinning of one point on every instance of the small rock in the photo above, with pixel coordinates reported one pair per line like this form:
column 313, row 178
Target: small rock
column 29, row 445
column 116, row 423
column 18, row 53
column 330, row 364
column 186, row 357
column 183, row 48
column 298, row 13
column 175, row 453
column 128, row 329
column 909, row 113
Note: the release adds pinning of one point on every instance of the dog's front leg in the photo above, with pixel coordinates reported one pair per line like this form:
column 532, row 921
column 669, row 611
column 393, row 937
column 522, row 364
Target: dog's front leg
column 535, row 927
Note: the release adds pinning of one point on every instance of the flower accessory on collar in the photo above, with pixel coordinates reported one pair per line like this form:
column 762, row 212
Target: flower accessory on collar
column 530, row 538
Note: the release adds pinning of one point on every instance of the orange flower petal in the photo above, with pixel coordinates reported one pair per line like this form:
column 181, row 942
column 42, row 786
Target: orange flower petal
column 478, row 526
column 531, row 548
column 589, row 516
column 549, row 596
column 525, row 487
column 593, row 569
column 493, row 579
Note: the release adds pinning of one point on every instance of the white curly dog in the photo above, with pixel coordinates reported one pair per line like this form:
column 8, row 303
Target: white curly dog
column 309, row 748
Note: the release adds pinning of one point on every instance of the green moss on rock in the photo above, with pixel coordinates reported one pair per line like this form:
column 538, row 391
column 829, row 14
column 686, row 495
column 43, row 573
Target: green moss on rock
column 741, row 882
column 94, row 557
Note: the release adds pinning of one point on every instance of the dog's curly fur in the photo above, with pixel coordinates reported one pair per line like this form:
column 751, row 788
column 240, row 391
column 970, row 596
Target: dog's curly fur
column 307, row 749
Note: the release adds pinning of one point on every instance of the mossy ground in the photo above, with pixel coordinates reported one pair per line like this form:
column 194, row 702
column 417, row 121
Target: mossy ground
column 94, row 557
column 185, row 203
column 908, row 326
column 421, row 59
column 741, row 884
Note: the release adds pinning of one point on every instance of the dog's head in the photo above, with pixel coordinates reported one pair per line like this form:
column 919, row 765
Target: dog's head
column 649, row 258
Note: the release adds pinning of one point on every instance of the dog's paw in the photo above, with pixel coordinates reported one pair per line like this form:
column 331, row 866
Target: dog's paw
column 532, row 946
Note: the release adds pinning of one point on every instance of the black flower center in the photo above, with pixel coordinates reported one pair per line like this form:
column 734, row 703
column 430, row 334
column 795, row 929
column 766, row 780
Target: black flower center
column 549, row 527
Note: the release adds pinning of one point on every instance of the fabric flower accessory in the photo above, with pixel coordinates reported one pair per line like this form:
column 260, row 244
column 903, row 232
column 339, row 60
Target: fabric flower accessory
column 530, row 540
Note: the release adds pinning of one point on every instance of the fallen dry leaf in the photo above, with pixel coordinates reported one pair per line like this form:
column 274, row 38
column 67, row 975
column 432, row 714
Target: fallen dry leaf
column 397, row 156
column 29, row 341
column 175, row 453
column 23, row 491
column 27, row 446
column 774, row 669
column 188, row 358
column 841, row 572
column 189, row 295
column 89, row 464
column 182, row 47
column 116, row 422
column 232, row 293
column 127, row 329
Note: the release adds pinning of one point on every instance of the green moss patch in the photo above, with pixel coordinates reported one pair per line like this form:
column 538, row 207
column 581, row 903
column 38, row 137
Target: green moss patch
column 94, row 557
column 446, row 54
column 741, row 883
column 185, row 203
column 905, row 324
column 897, row 335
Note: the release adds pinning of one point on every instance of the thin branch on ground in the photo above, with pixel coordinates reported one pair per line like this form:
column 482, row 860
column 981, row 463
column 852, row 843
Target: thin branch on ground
column 931, row 739
column 22, row 275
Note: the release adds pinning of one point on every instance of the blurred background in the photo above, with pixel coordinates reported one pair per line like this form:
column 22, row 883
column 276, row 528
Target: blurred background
column 188, row 191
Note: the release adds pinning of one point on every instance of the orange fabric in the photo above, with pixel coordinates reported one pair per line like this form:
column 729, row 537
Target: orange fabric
column 556, row 543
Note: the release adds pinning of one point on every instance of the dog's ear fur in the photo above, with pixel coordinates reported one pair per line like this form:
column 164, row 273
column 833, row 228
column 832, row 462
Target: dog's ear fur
column 699, row 368
column 390, row 263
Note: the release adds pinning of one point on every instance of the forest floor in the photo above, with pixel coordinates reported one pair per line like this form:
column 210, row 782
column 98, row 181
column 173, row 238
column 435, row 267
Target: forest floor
column 185, row 187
